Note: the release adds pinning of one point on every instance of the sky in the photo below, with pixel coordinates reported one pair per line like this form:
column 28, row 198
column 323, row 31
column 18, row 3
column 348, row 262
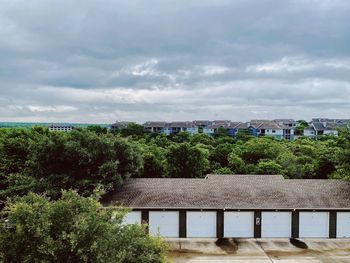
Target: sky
column 135, row 60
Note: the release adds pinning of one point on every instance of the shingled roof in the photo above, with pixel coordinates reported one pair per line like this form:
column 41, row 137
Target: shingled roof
column 233, row 192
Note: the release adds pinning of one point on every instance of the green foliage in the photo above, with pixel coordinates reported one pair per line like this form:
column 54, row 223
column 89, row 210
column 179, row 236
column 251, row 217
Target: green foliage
column 43, row 161
column 72, row 229
column 220, row 132
column 236, row 163
column 223, row 170
column 133, row 129
column 220, row 153
column 342, row 156
column 46, row 162
column 258, row 149
column 301, row 125
column 184, row 160
column 201, row 138
column 268, row 167
column 97, row 129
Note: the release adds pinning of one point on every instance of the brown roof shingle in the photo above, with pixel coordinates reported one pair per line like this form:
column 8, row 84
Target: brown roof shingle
column 234, row 192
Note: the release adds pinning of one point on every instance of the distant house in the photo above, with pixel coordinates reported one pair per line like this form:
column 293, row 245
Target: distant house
column 232, row 128
column 61, row 127
column 323, row 126
column 286, row 122
column 215, row 126
column 209, row 130
column 187, row 126
column 157, row 127
column 118, row 125
column 246, row 128
column 236, row 206
column 201, row 123
column 171, row 127
column 274, row 129
column 309, row 132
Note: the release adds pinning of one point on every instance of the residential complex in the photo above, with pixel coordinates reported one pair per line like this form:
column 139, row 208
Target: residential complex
column 278, row 128
column 288, row 129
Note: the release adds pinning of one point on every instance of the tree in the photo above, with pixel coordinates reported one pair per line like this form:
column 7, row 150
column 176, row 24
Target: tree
column 153, row 161
column 258, row 149
column 52, row 161
column 220, row 132
column 97, row 129
column 180, row 137
column 220, row 154
column 342, row 156
column 236, row 163
column 184, row 160
column 301, row 125
column 133, row 129
column 72, row 229
column 201, row 138
column 268, row 167
column 223, row 170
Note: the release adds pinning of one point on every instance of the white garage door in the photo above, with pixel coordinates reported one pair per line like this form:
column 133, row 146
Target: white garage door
column 239, row 224
column 164, row 223
column 201, row 224
column 314, row 224
column 133, row 217
column 276, row 224
column 343, row 224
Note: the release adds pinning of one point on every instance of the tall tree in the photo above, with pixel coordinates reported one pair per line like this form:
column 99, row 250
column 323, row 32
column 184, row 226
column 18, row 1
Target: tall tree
column 184, row 160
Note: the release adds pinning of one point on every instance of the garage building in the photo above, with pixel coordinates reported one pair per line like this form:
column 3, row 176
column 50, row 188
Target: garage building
column 249, row 206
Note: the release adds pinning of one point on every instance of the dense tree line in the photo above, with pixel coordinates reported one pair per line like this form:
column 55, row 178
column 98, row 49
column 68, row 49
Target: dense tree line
column 45, row 162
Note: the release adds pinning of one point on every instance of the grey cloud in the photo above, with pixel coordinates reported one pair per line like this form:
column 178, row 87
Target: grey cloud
column 98, row 61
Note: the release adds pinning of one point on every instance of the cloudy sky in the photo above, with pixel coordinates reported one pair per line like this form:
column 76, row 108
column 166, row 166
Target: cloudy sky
column 106, row 60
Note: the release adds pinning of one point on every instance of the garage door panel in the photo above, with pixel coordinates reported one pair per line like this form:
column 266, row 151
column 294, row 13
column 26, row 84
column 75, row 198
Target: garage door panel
column 276, row 224
column 133, row 217
column 164, row 223
column 201, row 224
column 239, row 224
column 314, row 224
column 343, row 225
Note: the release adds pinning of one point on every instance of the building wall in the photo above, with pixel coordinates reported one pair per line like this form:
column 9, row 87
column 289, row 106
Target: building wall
column 61, row 128
column 208, row 131
column 330, row 132
column 335, row 227
column 192, row 131
column 309, row 133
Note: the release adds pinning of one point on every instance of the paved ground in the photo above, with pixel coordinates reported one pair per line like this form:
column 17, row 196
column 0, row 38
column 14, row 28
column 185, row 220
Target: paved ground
column 259, row 250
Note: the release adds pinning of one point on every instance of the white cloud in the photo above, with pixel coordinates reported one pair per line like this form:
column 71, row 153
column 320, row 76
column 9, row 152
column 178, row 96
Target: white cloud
column 59, row 108
column 211, row 70
column 144, row 68
column 298, row 64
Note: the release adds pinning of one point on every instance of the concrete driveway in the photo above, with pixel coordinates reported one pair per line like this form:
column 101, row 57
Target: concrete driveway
column 259, row 250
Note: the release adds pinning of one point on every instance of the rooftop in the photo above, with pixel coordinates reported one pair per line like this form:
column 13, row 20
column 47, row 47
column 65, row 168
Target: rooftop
column 233, row 192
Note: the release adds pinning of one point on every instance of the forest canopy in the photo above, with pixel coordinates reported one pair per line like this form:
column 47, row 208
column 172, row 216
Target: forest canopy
column 37, row 160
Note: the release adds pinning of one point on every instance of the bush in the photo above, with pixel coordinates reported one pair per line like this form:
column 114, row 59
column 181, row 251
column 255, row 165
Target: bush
column 73, row 229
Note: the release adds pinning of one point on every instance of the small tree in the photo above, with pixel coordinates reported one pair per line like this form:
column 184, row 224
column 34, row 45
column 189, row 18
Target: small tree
column 72, row 229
